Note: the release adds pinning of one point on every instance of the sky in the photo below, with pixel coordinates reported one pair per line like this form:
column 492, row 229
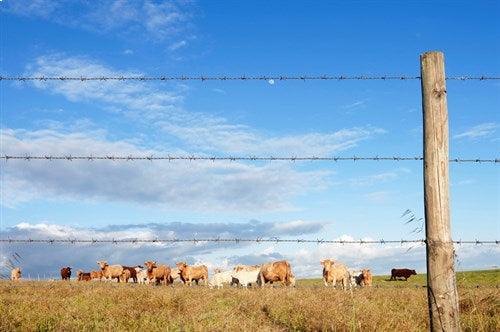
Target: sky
column 182, row 199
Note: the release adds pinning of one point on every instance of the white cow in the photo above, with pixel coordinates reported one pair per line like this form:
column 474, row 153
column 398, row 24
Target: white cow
column 142, row 275
column 246, row 278
column 220, row 278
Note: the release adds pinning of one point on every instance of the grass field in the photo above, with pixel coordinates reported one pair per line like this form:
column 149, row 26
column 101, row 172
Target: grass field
column 72, row 306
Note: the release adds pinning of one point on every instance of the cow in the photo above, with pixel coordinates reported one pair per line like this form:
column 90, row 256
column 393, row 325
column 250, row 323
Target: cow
column 110, row 272
column 126, row 275
column 133, row 272
column 220, row 278
column 245, row 278
column 66, row 273
column 83, row 276
column 175, row 274
column 96, row 275
column 402, row 273
column 158, row 273
column 367, row 279
column 15, row 274
column 335, row 271
column 239, row 268
column 190, row 273
column 355, row 276
column 142, row 275
column 276, row 271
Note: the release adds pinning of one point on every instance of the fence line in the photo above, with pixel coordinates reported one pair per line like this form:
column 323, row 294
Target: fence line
column 240, row 240
column 234, row 158
column 243, row 78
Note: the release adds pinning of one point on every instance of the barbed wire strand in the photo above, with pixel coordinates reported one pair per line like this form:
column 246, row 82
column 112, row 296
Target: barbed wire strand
column 241, row 78
column 234, row 158
column 238, row 240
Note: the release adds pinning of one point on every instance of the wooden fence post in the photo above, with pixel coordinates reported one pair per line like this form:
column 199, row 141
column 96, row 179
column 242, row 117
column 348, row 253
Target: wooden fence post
column 441, row 283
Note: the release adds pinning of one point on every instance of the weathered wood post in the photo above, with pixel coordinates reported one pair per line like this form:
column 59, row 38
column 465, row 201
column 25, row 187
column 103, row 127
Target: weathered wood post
column 441, row 283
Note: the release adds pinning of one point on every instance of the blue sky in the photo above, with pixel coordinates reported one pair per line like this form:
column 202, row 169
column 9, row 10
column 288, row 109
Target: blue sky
column 308, row 200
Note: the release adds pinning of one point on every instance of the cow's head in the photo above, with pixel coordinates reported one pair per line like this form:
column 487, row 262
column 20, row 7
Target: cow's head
column 413, row 272
column 291, row 280
column 102, row 264
column 181, row 265
column 327, row 263
column 150, row 265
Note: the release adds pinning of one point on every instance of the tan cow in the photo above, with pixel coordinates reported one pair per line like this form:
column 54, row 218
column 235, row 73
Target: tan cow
column 190, row 273
column 335, row 271
column 126, row 275
column 274, row 272
column 175, row 274
column 366, row 278
column 96, row 275
column 15, row 274
column 239, row 268
column 110, row 271
column 158, row 273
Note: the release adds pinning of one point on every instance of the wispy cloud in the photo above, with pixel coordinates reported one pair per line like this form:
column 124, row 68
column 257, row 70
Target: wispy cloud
column 478, row 131
column 156, row 20
column 163, row 109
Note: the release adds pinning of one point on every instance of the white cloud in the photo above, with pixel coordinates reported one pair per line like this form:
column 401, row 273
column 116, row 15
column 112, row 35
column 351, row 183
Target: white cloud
column 156, row 20
column 203, row 186
column 478, row 131
column 163, row 109
column 177, row 45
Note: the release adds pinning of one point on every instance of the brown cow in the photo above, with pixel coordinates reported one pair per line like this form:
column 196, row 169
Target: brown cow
column 276, row 271
column 366, row 278
column 190, row 273
column 335, row 271
column 15, row 274
column 110, row 271
column 402, row 273
column 158, row 273
column 66, row 273
column 96, row 275
column 83, row 276
column 133, row 272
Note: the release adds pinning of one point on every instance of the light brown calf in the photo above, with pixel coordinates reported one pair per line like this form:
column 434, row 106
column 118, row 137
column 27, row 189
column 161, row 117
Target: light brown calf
column 335, row 271
column 110, row 271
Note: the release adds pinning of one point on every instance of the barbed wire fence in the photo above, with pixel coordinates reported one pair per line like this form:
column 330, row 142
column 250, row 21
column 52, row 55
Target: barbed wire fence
column 222, row 78
column 70, row 157
column 236, row 241
column 203, row 78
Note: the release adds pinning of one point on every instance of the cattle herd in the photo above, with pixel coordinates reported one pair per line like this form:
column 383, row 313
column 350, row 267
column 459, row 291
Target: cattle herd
column 241, row 275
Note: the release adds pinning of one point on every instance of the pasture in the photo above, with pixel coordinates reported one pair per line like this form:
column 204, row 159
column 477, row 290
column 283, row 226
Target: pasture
column 89, row 306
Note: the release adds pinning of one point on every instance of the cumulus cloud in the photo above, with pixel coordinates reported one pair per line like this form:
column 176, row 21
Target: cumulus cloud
column 202, row 186
column 478, row 131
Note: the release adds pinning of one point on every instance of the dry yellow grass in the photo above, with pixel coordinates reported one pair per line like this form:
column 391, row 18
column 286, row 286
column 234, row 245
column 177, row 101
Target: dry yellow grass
column 71, row 306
